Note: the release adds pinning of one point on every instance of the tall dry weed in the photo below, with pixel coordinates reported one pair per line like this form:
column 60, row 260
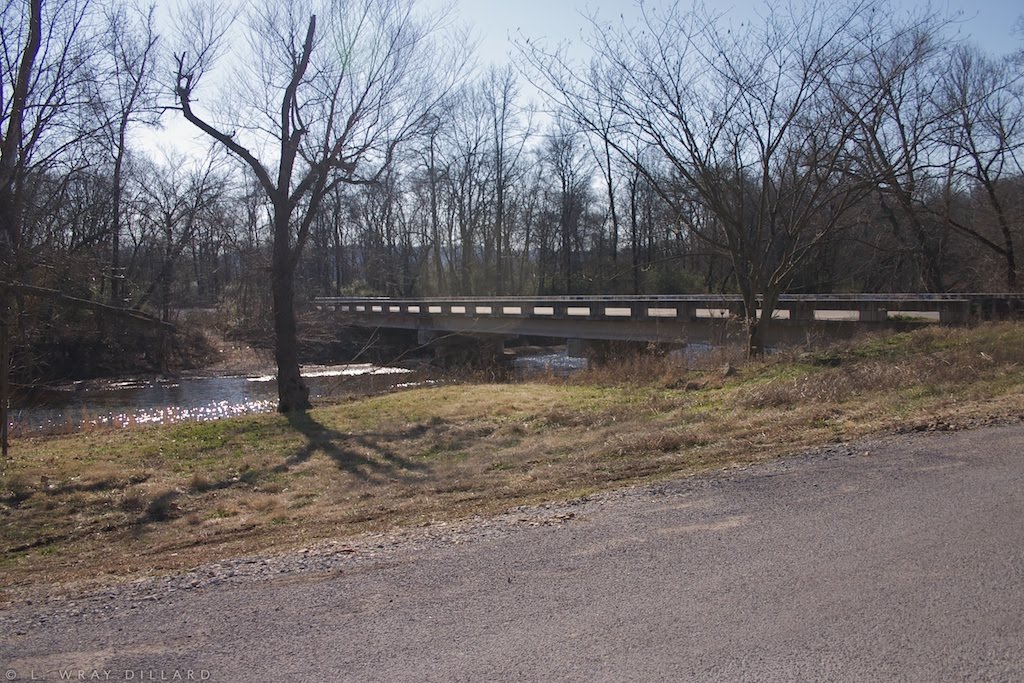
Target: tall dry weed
column 655, row 367
column 933, row 358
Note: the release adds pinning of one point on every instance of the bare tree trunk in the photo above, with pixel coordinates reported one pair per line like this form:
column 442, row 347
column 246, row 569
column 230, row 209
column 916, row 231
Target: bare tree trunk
column 115, row 220
column 5, row 378
column 1008, row 253
column 752, row 323
column 339, row 255
column 499, row 231
column 11, row 169
column 435, row 222
column 757, row 332
column 292, row 392
column 610, row 184
column 634, row 224
column 755, row 336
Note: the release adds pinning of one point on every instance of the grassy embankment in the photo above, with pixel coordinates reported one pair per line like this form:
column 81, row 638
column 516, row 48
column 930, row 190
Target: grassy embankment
column 158, row 498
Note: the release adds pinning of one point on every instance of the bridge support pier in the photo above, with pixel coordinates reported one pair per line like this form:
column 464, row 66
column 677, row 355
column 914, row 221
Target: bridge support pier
column 603, row 350
column 872, row 313
column 479, row 350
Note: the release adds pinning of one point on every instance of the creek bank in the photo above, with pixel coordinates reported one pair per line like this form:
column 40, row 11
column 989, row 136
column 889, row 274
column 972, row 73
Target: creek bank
column 170, row 498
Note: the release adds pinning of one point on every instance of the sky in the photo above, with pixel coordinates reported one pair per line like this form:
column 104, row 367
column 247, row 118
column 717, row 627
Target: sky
column 494, row 23
column 990, row 23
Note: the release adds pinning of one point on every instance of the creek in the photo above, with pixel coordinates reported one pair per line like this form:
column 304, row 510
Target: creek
column 124, row 403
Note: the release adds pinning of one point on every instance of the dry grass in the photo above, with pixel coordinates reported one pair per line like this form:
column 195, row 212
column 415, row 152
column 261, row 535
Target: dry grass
column 655, row 368
column 159, row 498
column 932, row 360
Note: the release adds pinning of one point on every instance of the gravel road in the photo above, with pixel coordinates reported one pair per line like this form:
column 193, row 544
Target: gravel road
column 900, row 558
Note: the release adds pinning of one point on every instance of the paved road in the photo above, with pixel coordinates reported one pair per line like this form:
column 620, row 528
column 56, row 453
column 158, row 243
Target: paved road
column 901, row 559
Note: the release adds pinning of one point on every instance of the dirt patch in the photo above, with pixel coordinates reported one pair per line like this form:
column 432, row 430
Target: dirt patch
column 235, row 357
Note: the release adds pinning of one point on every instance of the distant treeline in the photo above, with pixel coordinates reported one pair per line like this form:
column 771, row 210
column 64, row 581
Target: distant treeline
column 825, row 150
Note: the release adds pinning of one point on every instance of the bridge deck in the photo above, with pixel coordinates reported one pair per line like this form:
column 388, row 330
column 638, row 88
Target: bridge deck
column 660, row 318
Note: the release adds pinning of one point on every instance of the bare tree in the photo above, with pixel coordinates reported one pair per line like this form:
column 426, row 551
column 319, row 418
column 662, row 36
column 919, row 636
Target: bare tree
column 324, row 93
column 45, row 52
column 178, row 197
column 126, row 94
column 892, row 92
column 563, row 153
column 467, row 170
column 984, row 99
column 11, row 167
column 604, row 119
column 509, row 132
column 743, row 117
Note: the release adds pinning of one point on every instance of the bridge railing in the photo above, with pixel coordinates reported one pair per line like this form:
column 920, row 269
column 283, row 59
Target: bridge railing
column 865, row 308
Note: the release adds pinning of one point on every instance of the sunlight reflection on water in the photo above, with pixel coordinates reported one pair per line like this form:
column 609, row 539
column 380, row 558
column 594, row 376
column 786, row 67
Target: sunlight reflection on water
column 126, row 403
column 558, row 364
column 353, row 370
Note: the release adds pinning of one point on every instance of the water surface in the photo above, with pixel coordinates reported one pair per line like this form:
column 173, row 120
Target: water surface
column 125, row 403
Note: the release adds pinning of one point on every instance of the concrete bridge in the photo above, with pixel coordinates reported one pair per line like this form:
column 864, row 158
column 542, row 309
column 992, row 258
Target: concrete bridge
column 673, row 320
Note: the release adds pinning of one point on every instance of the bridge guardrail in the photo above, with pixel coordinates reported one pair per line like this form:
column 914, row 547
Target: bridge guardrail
column 867, row 308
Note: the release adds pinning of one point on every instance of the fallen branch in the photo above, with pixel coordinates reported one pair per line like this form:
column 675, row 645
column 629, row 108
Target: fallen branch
column 132, row 313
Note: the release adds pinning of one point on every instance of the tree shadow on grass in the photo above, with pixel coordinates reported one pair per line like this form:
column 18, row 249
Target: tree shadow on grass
column 364, row 456
column 361, row 455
